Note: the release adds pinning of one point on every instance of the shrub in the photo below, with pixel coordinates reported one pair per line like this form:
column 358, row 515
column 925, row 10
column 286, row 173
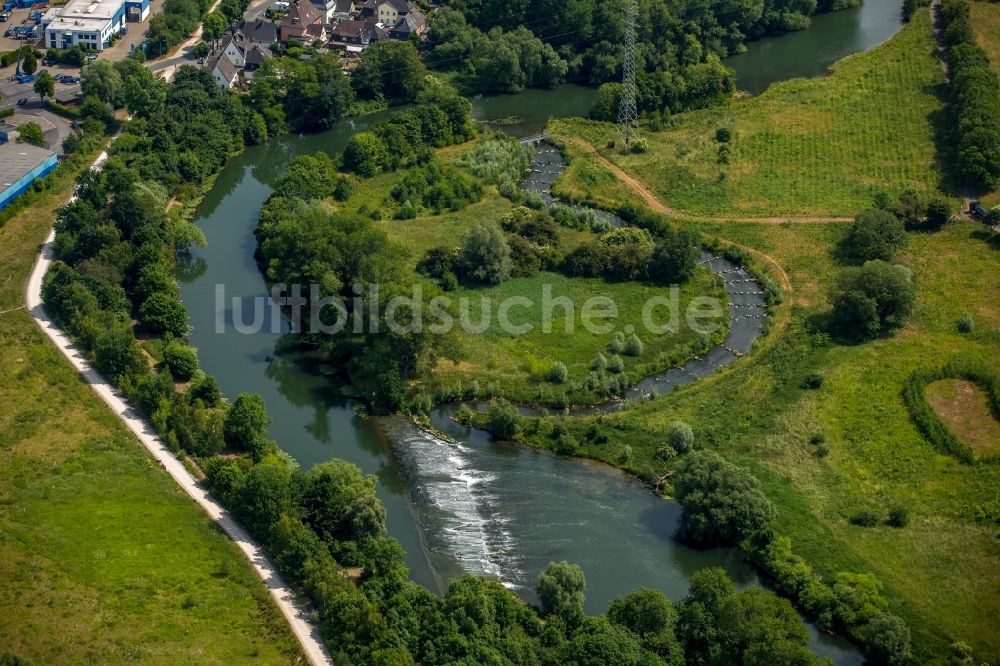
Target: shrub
column 116, row 355
column 723, row 135
column 163, row 313
column 504, row 421
column 965, row 323
column 617, row 344
column 616, row 364
column 813, row 380
column 817, row 438
column 680, row 436
column 938, row 214
column 634, row 346
column 866, row 518
column 180, row 360
column 899, row 516
column 485, row 253
column 558, row 373
column 600, row 363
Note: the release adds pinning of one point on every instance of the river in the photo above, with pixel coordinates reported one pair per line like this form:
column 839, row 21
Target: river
column 509, row 510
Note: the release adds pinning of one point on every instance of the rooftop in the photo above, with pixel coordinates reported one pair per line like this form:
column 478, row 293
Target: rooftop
column 17, row 159
column 85, row 14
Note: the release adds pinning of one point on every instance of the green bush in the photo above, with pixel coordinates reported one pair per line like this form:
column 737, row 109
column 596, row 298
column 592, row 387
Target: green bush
column 180, row 360
column 558, row 373
column 813, row 380
column 634, row 346
column 503, row 419
column 965, row 323
column 680, row 436
column 899, row 516
column 866, row 518
column 723, row 135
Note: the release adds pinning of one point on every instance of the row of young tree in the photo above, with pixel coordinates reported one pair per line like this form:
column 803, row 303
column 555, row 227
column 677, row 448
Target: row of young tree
column 974, row 106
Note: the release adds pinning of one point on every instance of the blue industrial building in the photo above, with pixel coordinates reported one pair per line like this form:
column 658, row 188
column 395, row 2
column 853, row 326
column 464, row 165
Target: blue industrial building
column 21, row 164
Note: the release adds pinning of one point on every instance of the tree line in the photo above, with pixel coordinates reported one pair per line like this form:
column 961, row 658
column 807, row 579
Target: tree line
column 974, row 100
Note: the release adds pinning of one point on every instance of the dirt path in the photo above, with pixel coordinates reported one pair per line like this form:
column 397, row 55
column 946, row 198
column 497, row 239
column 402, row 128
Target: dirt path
column 658, row 206
column 291, row 606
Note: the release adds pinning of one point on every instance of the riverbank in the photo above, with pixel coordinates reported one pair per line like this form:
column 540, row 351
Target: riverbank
column 91, row 525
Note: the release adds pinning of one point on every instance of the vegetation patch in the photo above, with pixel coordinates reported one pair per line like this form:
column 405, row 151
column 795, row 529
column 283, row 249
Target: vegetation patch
column 805, row 147
column 963, row 407
column 929, row 420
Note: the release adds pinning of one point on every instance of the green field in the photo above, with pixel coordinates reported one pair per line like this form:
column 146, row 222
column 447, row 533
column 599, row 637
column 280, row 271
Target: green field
column 986, row 21
column 103, row 558
column 824, row 455
column 520, row 364
column 804, row 147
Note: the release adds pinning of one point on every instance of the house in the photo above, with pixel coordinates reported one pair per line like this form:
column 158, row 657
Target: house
column 235, row 49
column 355, row 36
column 302, row 23
column 387, row 12
column 225, row 71
column 335, row 11
column 256, row 56
column 257, row 32
column 21, row 164
column 413, row 24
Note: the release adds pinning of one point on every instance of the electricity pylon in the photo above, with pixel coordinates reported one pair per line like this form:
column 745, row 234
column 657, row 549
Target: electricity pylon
column 628, row 117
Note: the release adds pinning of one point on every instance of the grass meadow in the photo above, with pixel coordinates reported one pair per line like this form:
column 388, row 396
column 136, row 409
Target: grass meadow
column 103, row 558
column 986, row 23
column 804, row 147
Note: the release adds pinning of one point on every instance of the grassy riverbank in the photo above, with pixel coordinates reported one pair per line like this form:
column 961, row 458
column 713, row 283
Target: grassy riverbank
column 825, row 454
column 103, row 558
column 804, row 147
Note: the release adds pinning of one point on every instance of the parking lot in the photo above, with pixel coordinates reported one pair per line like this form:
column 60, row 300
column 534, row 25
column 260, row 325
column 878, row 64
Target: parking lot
column 18, row 18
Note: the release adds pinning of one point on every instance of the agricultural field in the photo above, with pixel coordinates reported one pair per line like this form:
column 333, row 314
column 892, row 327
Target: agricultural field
column 805, row 147
column 107, row 560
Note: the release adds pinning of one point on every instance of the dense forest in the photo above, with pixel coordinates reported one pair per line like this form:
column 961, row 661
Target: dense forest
column 498, row 46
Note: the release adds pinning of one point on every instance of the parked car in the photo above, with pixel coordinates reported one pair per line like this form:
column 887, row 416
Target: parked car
column 4, row 16
column 22, row 101
column 978, row 211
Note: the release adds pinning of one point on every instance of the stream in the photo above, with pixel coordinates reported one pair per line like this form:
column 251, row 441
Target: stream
column 474, row 504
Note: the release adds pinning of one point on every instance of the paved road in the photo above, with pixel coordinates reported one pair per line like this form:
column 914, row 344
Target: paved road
column 290, row 605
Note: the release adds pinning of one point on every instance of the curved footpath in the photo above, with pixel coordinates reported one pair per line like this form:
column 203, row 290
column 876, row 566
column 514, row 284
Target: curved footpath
column 287, row 601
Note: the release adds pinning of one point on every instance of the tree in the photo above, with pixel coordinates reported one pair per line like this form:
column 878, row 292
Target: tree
column 674, row 256
column 875, row 234
column 561, row 592
column 102, row 79
column 887, row 640
column 365, row 154
column 558, row 373
column 759, row 628
column 392, row 70
column 938, row 214
column 116, row 355
column 163, row 313
column 246, row 424
column 680, row 437
column 31, row 133
column 871, row 300
column 214, row 25
column 649, row 615
column 486, row 254
column 143, row 96
column 601, row 643
column 180, row 360
column 339, row 502
column 722, row 503
column 45, row 85
column 29, row 63
column 264, row 495
column 202, row 49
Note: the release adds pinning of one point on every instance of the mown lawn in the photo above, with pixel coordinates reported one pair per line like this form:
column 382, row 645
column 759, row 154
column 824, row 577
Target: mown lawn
column 804, row 147
column 103, row 559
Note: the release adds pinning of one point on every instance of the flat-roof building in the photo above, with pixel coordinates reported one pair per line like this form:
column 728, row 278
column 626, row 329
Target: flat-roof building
column 21, row 164
column 91, row 23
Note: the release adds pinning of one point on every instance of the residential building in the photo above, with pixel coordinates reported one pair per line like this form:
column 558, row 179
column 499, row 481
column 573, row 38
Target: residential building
column 225, row 71
column 302, row 23
column 414, row 24
column 91, row 23
column 355, row 36
column 335, row 11
column 257, row 32
column 21, row 164
column 387, row 12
